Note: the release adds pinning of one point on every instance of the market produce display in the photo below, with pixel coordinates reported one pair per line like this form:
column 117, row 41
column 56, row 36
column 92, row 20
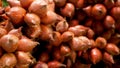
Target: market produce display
column 59, row 33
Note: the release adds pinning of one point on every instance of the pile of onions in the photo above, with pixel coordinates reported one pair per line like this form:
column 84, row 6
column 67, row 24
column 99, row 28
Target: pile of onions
column 59, row 33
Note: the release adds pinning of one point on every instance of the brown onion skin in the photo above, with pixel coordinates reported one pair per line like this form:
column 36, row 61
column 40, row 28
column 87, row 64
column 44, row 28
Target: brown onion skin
column 56, row 54
column 33, row 32
column 8, row 26
column 73, row 56
column 60, row 3
column 114, row 39
column 90, row 34
column 55, row 39
column 8, row 60
column 64, row 50
column 40, row 5
column 109, row 3
column 62, row 26
column 73, row 22
column 2, row 32
column 101, row 42
column 9, row 43
column 16, row 14
column 23, row 57
column 78, row 30
column 115, row 12
column 108, row 57
column 80, row 43
column 32, row 19
column 107, row 35
column 46, row 32
column 0, row 3
column 44, row 57
column 68, row 10
column 98, row 27
column 98, row 11
column 22, row 46
column 41, row 65
column 21, row 65
column 117, row 3
column 55, row 64
column 112, row 49
column 25, row 3
column 16, row 32
column 33, row 22
column 109, row 22
column 69, row 63
column 14, row 3
column 95, row 55
column 51, row 5
column 88, row 22
column 88, row 10
column 67, row 36
column 80, row 4
column 50, row 18
column 93, row 45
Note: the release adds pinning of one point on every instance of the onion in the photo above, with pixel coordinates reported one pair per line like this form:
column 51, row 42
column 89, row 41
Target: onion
column 109, row 22
column 98, row 11
column 67, row 36
column 38, row 7
column 9, row 42
column 64, row 50
column 55, row 39
column 16, row 14
column 14, row 3
column 46, row 32
column 26, row 3
column 22, row 46
column 108, row 58
column 80, row 43
column 68, row 10
column 78, row 30
column 8, row 60
column 95, row 55
column 101, row 42
column 50, row 18
column 24, row 57
column 115, row 12
column 62, row 26
column 112, row 49
column 109, row 3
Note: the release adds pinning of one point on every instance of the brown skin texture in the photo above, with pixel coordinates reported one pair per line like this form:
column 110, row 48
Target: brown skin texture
column 16, row 15
column 109, row 22
column 8, row 60
column 112, row 49
column 99, row 11
column 68, row 10
column 95, row 55
column 108, row 57
column 9, row 43
column 115, row 12
column 25, row 3
column 22, row 46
